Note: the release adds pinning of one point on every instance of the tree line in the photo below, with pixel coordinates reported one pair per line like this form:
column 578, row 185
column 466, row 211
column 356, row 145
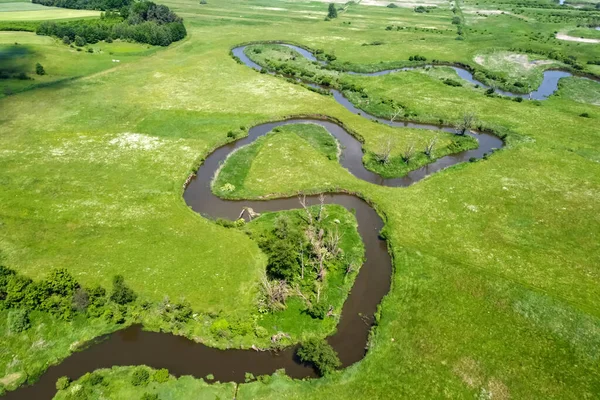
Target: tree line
column 143, row 22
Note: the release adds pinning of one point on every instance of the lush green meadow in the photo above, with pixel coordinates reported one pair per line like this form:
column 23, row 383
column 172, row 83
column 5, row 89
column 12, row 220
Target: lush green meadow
column 496, row 286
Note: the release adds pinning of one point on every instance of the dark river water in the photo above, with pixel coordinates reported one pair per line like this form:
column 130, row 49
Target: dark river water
column 548, row 86
column 133, row 346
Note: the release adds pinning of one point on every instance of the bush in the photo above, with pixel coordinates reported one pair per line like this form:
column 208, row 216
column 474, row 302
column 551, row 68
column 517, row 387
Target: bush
column 95, row 379
column 518, row 99
column 161, row 375
column 452, row 82
column 79, row 41
column 149, row 396
column 332, row 11
column 319, row 353
column 18, row 321
column 318, row 311
column 456, row 20
column 584, row 115
column 62, row 383
column 420, row 9
column 220, row 328
column 140, row 377
column 66, row 40
column 39, row 69
column 392, row 5
column 121, row 293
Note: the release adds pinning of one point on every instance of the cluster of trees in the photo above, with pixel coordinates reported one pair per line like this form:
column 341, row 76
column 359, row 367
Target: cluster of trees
column 86, row 4
column 320, row 354
column 300, row 251
column 143, row 22
column 59, row 294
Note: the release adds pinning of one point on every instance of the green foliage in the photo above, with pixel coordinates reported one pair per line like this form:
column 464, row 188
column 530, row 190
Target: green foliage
column 62, row 383
column 143, row 22
column 39, row 69
column 318, row 310
column 220, row 328
column 18, row 321
column 319, row 353
column 85, row 4
column 150, row 396
column 121, row 293
column 140, row 377
column 332, row 11
column 78, row 40
column 161, row 375
column 282, row 245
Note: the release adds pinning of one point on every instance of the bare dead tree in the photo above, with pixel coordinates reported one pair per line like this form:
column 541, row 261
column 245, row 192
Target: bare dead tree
column 395, row 113
column 333, row 242
column 319, row 250
column 322, row 202
column 384, row 154
column 275, row 293
column 302, row 259
column 429, row 146
column 302, row 200
column 467, row 122
column 408, row 153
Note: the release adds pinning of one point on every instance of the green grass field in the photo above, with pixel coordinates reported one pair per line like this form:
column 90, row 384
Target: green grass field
column 496, row 285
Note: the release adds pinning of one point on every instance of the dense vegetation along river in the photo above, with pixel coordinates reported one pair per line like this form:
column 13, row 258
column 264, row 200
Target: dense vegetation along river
column 548, row 86
column 181, row 356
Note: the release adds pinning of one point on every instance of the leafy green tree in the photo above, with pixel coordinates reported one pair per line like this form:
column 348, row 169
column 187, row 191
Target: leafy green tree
column 79, row 41
column 62, row 383
column 18, row 320
column 319, row 353
column 332, row 13
column 140, row 377
column 39, row 69
column 161, row 375
column 121, row 293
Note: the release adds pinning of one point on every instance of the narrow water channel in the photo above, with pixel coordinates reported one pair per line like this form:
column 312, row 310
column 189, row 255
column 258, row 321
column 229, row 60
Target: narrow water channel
column 133, row 346
column 548, row 86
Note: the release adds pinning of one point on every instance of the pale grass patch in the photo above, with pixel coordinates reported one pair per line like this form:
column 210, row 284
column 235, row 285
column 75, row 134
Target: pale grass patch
column 469, row 371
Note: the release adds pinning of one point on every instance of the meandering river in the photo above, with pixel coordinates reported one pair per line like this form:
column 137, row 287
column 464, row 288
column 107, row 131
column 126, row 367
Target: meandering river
column 133, row 346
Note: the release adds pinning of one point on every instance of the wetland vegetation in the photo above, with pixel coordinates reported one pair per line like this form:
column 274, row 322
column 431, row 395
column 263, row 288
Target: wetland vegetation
column 494, row 286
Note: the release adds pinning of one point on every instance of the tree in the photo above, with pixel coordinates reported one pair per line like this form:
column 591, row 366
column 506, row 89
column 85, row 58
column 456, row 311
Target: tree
column 79, row 41
column 429, row 146
column 140, row 377
column 468, row 120
column 39, row 69
column 18, row 321
column 383, row 155
column 62, row 383
column 332, row 13
column 319, row 353
column 408, row 153
column 121, row 293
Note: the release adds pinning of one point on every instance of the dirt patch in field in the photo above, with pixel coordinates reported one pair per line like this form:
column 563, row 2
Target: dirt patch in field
column 514, row 64
column 9, row 379
column 564, row 36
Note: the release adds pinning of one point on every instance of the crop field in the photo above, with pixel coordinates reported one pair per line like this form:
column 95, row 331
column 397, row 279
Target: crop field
column 495, row 291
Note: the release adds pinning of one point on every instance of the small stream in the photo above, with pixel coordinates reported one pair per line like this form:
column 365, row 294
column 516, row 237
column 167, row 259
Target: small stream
column 548, row 86
column 133, row 346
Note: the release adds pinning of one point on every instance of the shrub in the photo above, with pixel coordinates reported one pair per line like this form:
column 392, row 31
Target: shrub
column 203, row 2
column 39, row 69
column 318, row 311
column 332, row 11
column 62, row 383
column 392, row 5
column 95, row 379
column 18, row 321
column 420, row 9
column 121, row 293
column 584, row 115
column 452, row 82
column 456, row 20
column 79, row 41
column 66, row 40
column 140, row 377
column 319, row 353
column 220, row 327
column 518, row 99
column 149, row 396
column 161, row 375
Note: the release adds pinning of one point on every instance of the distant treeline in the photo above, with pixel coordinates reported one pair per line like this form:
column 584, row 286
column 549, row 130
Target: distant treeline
column 143, row 22
column 86, row 4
